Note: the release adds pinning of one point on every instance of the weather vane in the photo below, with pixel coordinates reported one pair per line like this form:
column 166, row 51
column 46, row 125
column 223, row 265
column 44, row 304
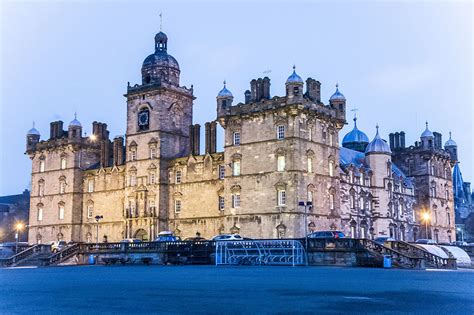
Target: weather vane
column 161, row 21
column 355, row 109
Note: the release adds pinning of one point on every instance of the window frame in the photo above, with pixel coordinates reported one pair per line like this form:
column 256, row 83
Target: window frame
column 236, row 138
column 236, row 168
column 281, row 132
column 281, row 163
column 281, row 197
column 178, row 206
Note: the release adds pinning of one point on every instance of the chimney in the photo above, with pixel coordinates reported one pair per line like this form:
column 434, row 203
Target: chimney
column 52, row 130
column 402, row 139
column 118, row 151
column 197, row 136
column 266, row 88
column 253, row 90
column 207, row 137
column 191, row 139
column 397, row 140
column 213, row 137
column 59, row 131
column 313, row 90
column 104, row 153
column 437, row 140
column 247, row 97
column 391, row 140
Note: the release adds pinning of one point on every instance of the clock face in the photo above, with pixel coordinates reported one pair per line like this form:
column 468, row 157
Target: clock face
column 143, row 118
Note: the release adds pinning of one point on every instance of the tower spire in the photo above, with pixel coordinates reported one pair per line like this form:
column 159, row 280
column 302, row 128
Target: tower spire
column 161, row 21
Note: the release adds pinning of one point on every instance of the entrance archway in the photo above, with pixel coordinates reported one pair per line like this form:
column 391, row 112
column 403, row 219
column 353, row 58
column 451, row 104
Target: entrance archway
column 142, row 235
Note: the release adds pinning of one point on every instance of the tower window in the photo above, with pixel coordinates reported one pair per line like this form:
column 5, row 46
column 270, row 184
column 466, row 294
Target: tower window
column 40, row 214
column 296, row 90
column 152, row 153
column 310, row 164
column 221, row 203
column 133, row 155
column 281, row 132
column 236, row 137
column 61, row 212
column 224, row 104
column 281, row 197
column 221, row 171
column 41, row 166
column 236, row 201
column 90, row 211
column 281, row 163
column 178, row 176
column 236, row 168
column 177, row 206
column 90, row 186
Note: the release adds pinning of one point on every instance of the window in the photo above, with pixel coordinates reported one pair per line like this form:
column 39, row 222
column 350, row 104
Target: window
column 331, row 139
column 351, row 177
column 281, row 163
column 224, row 104
column 152, row 153
column 236, row 201
column 449, row 218
column 61, row 212
column 221, row 171
column 331, row 168
column 63, row 163
column 361, row 178
column 41, row 188
column 178, row 176
column 295, row 90
column 361, row 202
column 352, row 200
column 281, row 197
column 177, row 206
column 133, row 155
column 310, row 196
column 310, row 164
column 90, row 211
column 446, row 194
column 62, row 187
column 221, row 203
column 152, row 178
column 41, row 166
column 236, row 137
column 331, row 200
column 310, row 134
column 281, row 132
column 133, row 180
column 236, row 168
column 90, row 186
column 40, row 214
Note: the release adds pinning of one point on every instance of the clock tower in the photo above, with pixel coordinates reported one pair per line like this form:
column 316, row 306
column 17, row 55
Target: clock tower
column 159, row 113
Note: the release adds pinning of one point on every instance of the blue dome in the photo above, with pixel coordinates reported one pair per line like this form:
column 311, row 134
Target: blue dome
column 450, row 142
column 294, row 78
column 355, row 135
column 225, row 92
column 337, row 96
column 378, row 145
column 427, row 133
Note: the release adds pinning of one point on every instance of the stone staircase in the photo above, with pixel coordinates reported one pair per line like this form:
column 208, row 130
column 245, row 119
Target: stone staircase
column 24, row 256
column 428, row 259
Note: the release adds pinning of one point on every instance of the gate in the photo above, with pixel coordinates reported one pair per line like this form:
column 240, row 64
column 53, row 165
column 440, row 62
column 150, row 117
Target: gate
column 260, row 252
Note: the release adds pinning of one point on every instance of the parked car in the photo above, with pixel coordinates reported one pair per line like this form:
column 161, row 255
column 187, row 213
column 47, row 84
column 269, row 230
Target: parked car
column 425, row 241
column 195, row 239
column 381, row 240
column 131, row 240
column 228, row 237
column 167, row 236
column 459, row 243
column 327, row 234
column 57, row 246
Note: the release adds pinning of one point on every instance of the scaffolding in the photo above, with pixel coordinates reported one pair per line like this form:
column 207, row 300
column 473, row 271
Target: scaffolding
column 260, row 252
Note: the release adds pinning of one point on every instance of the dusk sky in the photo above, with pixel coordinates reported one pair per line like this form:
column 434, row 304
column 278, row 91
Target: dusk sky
column 399, row 63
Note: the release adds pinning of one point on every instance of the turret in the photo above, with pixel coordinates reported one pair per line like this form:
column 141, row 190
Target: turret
column 427, row 138
column 378, row 157
column 32, row 138
column 338, row 102
column 294, row 88
column 313, row 90
column 452, row 148
column 224, row 101
column 75, row 130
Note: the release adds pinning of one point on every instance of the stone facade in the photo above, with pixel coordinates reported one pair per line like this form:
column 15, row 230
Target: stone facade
column 278, row 152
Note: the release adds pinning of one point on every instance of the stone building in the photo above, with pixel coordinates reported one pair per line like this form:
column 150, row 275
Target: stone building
column 279, row 151
column 13, row 210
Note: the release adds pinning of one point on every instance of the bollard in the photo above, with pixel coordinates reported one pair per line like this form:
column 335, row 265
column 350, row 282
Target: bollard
column 387, row 261
column 91, row 260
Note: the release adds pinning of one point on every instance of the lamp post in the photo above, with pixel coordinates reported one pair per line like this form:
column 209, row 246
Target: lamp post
column 19, row 227
column 426, row 217
column 305, row 205
column 97, row 219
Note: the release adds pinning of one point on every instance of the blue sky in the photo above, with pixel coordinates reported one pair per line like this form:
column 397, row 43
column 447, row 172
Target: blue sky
column 399, row 63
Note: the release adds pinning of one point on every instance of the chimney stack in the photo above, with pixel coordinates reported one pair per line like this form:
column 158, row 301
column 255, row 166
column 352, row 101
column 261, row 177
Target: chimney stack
column 213, row 137
column 207, row 137
column 197, row 136
column 118, row 151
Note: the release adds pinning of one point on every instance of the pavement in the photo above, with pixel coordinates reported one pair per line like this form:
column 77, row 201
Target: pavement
column 234, row 290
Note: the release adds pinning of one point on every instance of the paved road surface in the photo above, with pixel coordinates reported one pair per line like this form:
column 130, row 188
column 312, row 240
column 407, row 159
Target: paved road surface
column 233, row 290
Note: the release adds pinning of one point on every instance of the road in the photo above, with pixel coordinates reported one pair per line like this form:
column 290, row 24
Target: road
column 234, row 290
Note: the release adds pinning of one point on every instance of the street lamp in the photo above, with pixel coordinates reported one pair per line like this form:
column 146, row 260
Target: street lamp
column 306, row 205
column 425, row 216
column 19, row 226
column 97, row 219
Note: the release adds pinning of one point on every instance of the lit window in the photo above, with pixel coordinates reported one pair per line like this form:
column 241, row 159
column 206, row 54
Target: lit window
column 221, row 203
column 236, row 138
column 41, row 166
column 40, row 214
column 178, row 176
column 236, row 201
column 281, row 163
column 281, row 197
column 177, row 206
column 90, row 186
column 280, row 132
column 152, row 178
column 221, row 171
column 61, row 212
column 152, row 153
column 236, row 168
column 310, row 164
column 331, row 168
column 63, row 163
column 90, row 211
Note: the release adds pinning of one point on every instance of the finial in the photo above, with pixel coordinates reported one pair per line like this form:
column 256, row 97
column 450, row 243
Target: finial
column 161, row 21
column 426, row 123
column 294, row 67
column 75, row 115
column 224, row 83
column 377, row 127
column 450, row 135
column 34, row 126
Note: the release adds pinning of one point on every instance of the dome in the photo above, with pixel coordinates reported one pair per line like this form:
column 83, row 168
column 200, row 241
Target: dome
column 161, row 37
column 450, row 142
column 355, row 135
column 294, row 78
column 75, row 122
column 33, row 132
column 427, row 133
column 337, row 96
column 160, row 59
column 225, row 92
column 378, row 145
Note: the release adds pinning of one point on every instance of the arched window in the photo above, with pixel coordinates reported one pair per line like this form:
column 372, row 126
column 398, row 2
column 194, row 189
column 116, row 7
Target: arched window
column 62, row 185
column 63, row 163
column 39, row 216
column 352, row 199
column 331, row 168
column 332, row 199
column 90, row 209
column 309, row 164
column 90, row 185
column 361, row 202
column 281, row 230
column 281, row 163
column 41, row 188
column 61, row 211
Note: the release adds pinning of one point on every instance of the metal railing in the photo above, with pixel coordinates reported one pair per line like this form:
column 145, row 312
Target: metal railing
column 27, row 253
column 62, row 255
column 429, row 258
